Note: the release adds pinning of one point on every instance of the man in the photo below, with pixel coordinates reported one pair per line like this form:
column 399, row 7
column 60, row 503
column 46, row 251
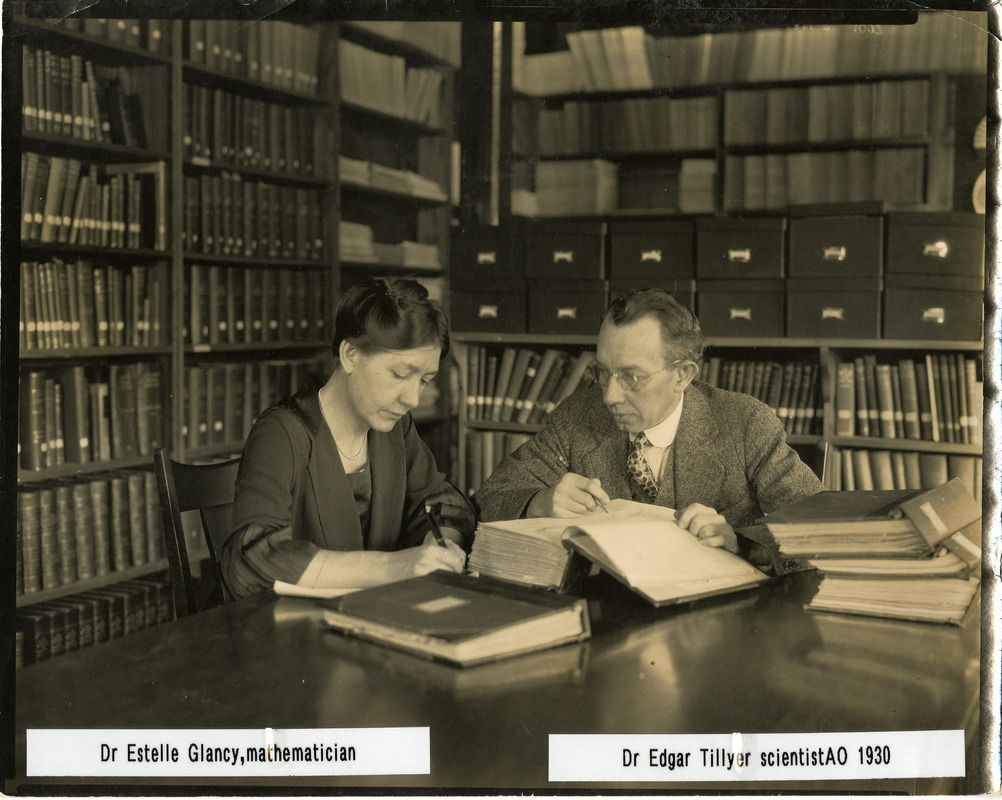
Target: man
column 646, row 432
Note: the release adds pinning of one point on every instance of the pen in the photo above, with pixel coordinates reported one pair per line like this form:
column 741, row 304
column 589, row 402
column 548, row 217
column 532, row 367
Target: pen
column 567, row 467
column 435, row 530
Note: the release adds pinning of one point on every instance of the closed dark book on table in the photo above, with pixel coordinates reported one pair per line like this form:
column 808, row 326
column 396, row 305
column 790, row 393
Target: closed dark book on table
column 460, row 619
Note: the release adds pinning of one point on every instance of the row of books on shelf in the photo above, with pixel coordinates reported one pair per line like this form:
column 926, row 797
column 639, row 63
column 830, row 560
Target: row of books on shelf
column 227, row 215
column 230, row 128
column 776, row 180
column 857, row 469
column 68, row 95
column 596, row 186
column 356, row 244
column 357, row 172
column 790, row 389
column 280, row 54
column 835, row 112
column 521, row 384
column 385, row 83
column 71, row 304
column 223, row 400
column 938, row 398
column 577, row 187
column 84, row 619
column 408, row 254
column 484, row 452
column 80, row 415
column 911, row 554
column 629, row 59
column 635, row 125
column 440, row 39
column 235, row 305
column 67, row 201
column 75, row 529
column 152, row 35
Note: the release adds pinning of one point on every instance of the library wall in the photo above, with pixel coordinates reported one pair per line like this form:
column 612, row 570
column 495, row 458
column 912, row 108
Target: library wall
column 194, row 196
column 196, row 193
column 810, row 192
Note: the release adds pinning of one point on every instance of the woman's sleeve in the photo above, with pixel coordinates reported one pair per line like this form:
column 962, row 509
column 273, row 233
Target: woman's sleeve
column 262, row 547
column 426, row 485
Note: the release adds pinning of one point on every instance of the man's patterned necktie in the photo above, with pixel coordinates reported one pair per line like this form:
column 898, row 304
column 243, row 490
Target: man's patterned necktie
column 640, row 471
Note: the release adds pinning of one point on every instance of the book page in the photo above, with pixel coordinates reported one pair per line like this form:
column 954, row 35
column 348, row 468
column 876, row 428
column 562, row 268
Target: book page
column 552, row 529
column 647, row 546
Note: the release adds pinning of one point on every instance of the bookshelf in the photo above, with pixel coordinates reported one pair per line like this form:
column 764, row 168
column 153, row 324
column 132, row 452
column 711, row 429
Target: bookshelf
column 95, row 339
column 178, row 268
column 203, row 217
column 812, row 422
column 395, row 116
column 746, row 122
column 779, row 112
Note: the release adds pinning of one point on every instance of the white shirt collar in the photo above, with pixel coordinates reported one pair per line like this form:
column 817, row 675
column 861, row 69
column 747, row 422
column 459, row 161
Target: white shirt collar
column 663, row 434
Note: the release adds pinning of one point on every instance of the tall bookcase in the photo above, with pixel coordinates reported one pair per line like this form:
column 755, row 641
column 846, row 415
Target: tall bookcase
column 396, row 117
column 180, row 263
column 97, row 343
column 741, row 126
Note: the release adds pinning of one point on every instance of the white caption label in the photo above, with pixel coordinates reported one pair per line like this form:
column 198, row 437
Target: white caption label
column 228, row 752
column 756, row 757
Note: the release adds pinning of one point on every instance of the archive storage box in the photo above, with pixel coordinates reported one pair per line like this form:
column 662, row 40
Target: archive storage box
column 935, row 244
column 482, row 255
column 501, row 308
column 566, row 307
column 652, row 254
column 740, row 248
column 836, row 247
column 934, row 286
column 946, row 307
column 836, row 308
column 740, row 307
column 570, row 251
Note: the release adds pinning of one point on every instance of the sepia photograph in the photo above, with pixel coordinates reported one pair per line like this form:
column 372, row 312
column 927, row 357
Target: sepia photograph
column 416, row 398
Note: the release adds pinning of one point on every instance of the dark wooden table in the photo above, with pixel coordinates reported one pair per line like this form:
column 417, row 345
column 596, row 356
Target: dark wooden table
column 756, row 662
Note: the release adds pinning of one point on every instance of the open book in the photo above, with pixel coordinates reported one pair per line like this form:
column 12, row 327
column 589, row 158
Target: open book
column 639, row 544
column 643, row 547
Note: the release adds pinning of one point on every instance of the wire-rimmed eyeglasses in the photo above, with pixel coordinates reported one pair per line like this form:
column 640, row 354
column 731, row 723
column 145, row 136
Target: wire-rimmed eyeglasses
column 628, row 380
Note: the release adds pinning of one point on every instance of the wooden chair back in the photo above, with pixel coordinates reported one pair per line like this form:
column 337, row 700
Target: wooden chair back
column 209, row 489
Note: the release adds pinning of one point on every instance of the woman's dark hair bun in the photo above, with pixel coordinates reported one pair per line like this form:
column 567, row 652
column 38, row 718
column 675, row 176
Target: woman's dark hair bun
column 389, row 314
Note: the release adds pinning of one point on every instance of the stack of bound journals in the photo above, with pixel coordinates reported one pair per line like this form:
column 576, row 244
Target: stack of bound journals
column 893, row 553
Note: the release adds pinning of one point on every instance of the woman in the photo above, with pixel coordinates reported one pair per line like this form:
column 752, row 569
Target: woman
column 334, row 480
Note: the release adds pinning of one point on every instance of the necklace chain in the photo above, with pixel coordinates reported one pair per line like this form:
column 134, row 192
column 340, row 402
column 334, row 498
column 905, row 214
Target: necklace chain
column 350, row 457
column 323, row 411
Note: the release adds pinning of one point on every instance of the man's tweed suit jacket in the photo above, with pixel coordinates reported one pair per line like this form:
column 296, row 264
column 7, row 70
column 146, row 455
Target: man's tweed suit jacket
column 730, row 454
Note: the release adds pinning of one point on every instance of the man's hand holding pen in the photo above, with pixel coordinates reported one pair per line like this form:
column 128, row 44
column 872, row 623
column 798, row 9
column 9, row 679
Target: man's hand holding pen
column 571, row 496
